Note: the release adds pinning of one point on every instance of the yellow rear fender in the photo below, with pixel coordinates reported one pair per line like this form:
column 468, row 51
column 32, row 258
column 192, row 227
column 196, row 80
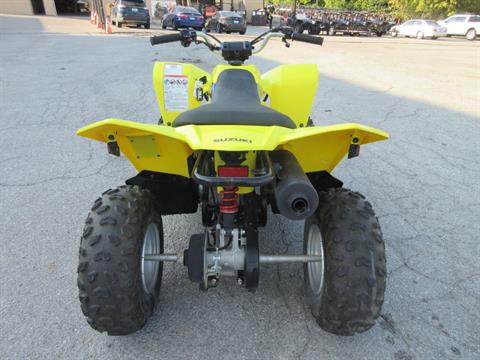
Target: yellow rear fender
column 148, row 147
column 321, row 148
column 166, row 149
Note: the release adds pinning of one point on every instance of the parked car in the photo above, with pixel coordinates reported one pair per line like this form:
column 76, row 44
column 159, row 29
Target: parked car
column 131, row 12
column 463, row 25
column 183, row 17
column 227, row 21
column 420, row 29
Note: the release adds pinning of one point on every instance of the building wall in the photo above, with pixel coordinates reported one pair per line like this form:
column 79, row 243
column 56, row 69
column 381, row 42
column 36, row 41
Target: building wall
column 18, row 7
column 251, row 5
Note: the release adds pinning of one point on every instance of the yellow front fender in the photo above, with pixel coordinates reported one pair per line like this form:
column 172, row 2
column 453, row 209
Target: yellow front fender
column 166, row 149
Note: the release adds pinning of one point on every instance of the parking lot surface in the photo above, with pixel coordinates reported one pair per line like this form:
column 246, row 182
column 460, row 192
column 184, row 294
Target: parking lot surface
column 424, row 184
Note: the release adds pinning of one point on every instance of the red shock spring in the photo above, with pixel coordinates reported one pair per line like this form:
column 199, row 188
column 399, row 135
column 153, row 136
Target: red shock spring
column 229, row 200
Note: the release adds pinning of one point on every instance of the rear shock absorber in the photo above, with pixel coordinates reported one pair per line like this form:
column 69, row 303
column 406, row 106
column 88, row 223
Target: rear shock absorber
column 229, row 206
column 229, row 201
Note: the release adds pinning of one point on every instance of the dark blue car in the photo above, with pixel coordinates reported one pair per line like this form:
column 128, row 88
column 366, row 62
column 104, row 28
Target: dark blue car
column 183, row 17
column 130, row 12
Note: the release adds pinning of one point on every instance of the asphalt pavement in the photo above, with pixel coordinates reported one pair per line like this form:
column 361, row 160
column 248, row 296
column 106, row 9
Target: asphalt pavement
column 424, row 184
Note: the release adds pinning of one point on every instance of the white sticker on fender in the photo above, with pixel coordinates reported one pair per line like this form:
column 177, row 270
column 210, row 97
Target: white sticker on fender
column 175, row 92
column 173, row 69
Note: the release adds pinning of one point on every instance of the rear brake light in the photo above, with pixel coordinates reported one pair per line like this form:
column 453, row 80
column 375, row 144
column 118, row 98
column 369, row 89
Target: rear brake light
column 233, row 171
column 181, row 16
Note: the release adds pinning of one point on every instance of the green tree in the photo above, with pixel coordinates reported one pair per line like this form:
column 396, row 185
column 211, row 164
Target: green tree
column 357, row 4
column 434, row 9
column 472, row 6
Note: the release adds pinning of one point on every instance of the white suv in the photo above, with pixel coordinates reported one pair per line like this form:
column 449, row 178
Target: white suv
column 464, row 25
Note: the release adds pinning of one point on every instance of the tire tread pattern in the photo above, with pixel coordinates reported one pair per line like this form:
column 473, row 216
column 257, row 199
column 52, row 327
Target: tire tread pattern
column 355, row 264
column 110, row 287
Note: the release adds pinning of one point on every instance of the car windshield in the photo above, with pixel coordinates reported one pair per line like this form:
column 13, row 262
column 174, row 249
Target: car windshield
column 187, row 10
column 229, row 14
column 133, row 2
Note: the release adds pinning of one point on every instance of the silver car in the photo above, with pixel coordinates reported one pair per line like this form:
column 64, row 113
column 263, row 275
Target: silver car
column 420, row 29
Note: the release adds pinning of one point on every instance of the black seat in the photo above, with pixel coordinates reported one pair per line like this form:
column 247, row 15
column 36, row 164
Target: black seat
column 235, row 101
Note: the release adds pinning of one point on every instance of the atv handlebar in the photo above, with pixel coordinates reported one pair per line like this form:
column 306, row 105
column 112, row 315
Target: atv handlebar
column 235, row 52
column 318, row 40
column 163, row 39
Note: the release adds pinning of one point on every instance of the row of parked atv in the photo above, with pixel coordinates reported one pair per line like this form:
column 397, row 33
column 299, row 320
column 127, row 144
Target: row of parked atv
column 342, row 22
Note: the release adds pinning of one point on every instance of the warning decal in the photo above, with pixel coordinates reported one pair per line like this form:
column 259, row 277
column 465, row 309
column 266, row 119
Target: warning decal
column 175, row 90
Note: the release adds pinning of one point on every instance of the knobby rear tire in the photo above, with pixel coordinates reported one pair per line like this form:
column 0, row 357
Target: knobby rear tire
column 354, row 271
column 111, row 292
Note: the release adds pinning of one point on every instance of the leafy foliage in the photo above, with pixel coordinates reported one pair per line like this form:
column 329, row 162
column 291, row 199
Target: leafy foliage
column 433, row 8
column 405, row 9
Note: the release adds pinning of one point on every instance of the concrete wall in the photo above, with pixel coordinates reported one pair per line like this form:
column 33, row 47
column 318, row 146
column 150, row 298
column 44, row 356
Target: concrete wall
column 50, row 8
column 18, row 7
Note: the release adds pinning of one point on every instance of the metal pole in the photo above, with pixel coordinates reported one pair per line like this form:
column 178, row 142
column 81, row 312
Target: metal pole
column 273, row 259
column 165, row 257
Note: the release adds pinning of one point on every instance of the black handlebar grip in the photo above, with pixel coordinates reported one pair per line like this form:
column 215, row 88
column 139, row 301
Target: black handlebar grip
column 318, row 40
column 163, row 39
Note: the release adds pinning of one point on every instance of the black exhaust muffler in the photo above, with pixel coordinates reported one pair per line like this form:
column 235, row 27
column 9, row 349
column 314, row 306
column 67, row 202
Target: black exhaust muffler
column 295, row 196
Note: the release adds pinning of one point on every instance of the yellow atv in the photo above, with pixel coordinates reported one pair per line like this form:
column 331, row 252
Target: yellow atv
column 233, row 143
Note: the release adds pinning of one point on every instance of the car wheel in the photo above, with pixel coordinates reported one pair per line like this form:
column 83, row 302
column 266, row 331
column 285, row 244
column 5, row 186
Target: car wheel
column 434, row 38
column 163, row 25
column 471, row 34
column 420, row 35
column 242, row 32
column 394, row 34
column 147, row 26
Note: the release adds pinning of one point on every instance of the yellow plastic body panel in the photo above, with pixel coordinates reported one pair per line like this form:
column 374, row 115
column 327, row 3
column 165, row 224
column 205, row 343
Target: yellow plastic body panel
column 316, row 148
column 176, row 72
column 291, row 89
column 167, row 153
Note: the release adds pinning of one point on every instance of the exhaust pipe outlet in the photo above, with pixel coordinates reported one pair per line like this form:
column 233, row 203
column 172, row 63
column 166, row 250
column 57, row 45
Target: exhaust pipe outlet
column 295, row 196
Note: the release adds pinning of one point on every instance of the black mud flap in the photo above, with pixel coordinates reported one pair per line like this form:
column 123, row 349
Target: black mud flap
column 323, row 180
column 174, row 194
